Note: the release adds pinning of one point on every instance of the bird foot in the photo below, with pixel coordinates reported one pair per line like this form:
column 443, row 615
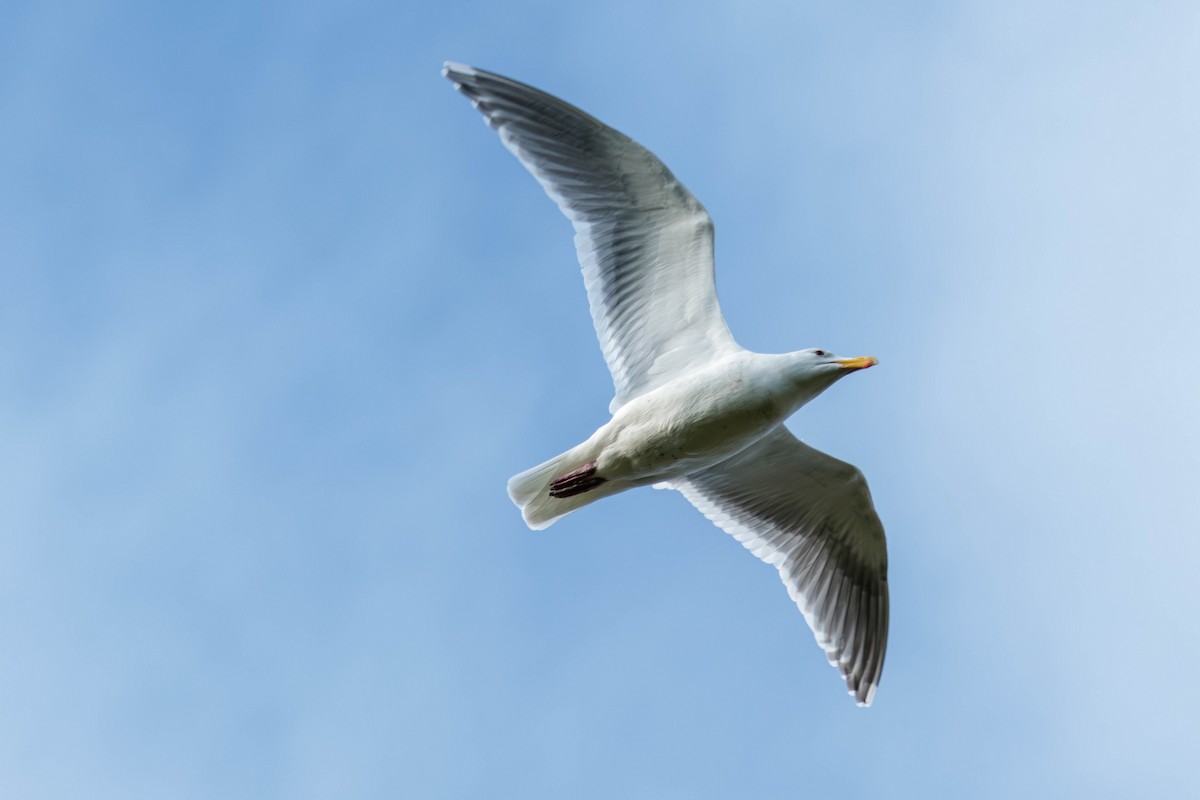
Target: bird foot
column 576, row 482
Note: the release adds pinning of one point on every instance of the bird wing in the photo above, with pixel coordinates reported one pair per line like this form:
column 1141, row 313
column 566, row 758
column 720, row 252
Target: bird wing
column 811, row 516
column 644, row 242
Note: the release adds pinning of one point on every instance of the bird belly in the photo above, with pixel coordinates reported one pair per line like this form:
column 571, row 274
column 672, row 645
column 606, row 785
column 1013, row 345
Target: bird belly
column 672, row 433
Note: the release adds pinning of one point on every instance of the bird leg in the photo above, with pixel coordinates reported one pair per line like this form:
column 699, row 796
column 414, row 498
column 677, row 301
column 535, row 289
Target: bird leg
column 576, row 482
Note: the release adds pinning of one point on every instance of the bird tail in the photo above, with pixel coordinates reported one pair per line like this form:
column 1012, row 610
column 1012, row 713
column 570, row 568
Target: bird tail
column 557, row 487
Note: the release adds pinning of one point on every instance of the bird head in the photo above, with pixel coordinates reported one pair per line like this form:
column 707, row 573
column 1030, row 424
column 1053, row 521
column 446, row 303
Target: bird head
column 823, row 363
column 814, row 370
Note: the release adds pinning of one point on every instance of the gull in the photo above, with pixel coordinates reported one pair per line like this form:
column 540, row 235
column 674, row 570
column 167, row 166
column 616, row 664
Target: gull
column 692, row 411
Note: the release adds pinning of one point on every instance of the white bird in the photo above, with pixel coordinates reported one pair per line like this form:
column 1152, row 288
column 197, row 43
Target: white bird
column 693, row 411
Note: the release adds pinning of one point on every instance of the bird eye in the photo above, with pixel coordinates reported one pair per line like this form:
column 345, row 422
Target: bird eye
column 820, row 353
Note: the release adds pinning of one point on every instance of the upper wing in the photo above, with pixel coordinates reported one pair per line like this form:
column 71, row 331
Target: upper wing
column 644, row 242
column 811, row 516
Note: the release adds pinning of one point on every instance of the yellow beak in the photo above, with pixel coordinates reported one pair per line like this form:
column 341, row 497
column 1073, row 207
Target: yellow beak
column 862, row 362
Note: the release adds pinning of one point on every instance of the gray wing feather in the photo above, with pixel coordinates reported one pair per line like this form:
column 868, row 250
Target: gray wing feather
column 811, row 516
column 644, row 242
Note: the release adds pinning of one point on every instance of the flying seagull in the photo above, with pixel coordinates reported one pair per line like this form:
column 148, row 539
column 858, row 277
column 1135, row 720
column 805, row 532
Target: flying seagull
column 693, row 411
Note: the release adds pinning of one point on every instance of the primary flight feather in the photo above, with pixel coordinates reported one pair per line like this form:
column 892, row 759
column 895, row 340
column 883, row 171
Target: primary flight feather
column 692, row 410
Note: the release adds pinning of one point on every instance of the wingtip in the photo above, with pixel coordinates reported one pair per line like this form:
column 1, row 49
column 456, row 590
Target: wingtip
column 864, row 701
column 452, row 68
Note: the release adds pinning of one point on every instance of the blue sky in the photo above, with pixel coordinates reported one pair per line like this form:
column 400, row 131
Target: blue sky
column 279, row 317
